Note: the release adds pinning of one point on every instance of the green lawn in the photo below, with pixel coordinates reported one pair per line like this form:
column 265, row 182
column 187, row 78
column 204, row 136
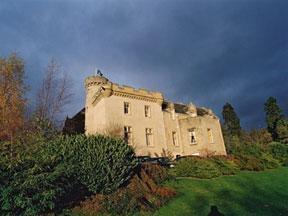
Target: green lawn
column 247, row 193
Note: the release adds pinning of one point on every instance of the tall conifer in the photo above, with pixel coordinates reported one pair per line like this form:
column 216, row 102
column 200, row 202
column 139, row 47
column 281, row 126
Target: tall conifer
column 231, row 120
column 273, row 116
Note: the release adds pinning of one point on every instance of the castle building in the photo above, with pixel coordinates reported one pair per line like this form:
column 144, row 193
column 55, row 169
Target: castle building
column 148, row 122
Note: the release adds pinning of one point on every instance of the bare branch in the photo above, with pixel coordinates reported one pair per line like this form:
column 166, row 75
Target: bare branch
column 55, row 93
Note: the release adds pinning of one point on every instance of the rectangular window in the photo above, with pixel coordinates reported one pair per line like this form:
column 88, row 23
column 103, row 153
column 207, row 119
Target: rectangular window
column 147, row 111
column 210, row 135
column 175, row 138
column 192, row 136
column 149, row 136
column 173, row 114
column 126, row 108
column 128, row 134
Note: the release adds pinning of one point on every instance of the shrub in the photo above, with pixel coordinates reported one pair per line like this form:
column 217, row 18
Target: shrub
column 61, row 169
column 122, row 202
column 101, row 163
column 231, row 143
column 206, row 167
column 256, row 136
column 279, row 151
column 197, row 167
column 225, row 165
column 259, row 163
column 254, row 157
column 156, row 172
column 249, row 162
column 282, row 130
column 141, row 193
column 35, row 190
column 269, row 162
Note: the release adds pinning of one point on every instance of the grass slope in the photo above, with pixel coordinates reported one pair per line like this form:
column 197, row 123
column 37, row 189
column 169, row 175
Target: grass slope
column 248, row 193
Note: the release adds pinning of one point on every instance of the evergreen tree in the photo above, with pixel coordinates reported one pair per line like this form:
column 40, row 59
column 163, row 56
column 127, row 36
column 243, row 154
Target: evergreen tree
column 282, row 130
column 231, row 120
column 273, row 116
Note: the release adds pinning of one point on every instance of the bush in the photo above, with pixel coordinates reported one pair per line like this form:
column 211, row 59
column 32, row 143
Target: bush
column 208, row 167
column 196, row 167
column 35, row 190
column 269, row 162
column 256, row 136
column 60, row 170
column 101, row 163
column 279, row 151
column 156, row 172
column 254, row 157
column 122, row 202
column 225, row 165
column 141, row 193
column 249, row 162
column 256, row 163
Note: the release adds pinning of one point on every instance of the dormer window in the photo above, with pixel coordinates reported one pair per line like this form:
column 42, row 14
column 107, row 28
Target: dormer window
column 127, row 108
column 147, row 111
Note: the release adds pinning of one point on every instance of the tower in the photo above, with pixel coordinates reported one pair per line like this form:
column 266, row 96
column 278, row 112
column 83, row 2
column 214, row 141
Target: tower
column 96, row 86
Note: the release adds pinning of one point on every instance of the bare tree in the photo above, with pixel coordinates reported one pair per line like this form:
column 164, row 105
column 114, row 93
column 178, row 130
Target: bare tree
column 54, row 94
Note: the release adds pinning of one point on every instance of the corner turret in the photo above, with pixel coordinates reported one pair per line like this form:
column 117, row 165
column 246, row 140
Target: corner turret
column 95, row 81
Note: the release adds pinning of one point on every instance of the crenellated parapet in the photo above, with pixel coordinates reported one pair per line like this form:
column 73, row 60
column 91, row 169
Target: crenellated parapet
column 95, row 80
column 139, row 94
column 105, row 88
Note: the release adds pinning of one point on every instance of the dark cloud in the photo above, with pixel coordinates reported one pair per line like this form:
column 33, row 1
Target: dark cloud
column 207, row 52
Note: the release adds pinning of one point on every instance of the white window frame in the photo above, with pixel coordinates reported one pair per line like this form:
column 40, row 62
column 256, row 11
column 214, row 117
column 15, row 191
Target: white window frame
column 127, row 108
column 147, row 111
column 192, row 136
column 149, row 137
column 175, row 139
column 128, row 136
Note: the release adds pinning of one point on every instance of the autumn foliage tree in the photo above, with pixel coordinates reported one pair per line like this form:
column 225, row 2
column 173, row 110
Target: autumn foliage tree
column 12, row 100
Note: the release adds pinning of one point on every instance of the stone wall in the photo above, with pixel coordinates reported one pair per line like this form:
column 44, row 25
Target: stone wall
column 105, row 110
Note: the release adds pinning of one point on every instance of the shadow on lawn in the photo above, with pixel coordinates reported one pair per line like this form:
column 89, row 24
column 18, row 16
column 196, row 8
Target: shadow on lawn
column 215, row 212
column 263, row 201
column 247, row 195
column 237, row 197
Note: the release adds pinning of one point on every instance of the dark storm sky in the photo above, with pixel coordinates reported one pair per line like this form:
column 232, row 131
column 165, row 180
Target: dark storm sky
column 205, row 51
